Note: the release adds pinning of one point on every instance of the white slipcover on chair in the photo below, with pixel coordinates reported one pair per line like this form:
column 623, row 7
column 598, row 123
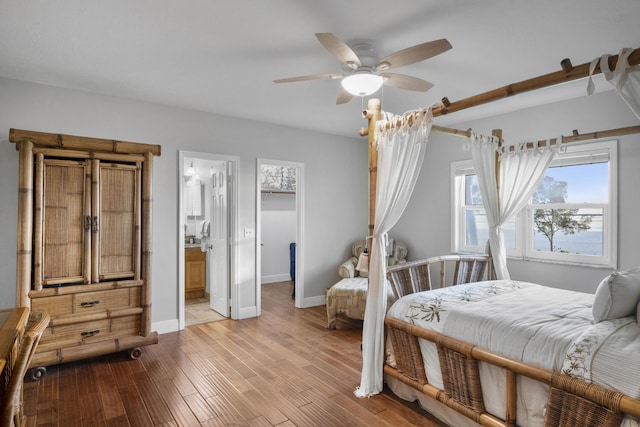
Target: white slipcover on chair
column 349, row 296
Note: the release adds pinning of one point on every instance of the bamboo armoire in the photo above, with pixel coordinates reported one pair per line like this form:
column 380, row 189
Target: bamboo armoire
column 84, row 243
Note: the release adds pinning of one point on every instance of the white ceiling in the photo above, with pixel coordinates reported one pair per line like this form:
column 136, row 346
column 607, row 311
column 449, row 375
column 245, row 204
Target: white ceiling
column 222, row 56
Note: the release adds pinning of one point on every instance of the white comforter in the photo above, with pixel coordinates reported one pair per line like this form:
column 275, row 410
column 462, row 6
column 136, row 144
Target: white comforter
column 549, row 327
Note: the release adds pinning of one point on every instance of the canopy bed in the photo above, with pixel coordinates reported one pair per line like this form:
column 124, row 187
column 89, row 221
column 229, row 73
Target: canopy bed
column 508, row 175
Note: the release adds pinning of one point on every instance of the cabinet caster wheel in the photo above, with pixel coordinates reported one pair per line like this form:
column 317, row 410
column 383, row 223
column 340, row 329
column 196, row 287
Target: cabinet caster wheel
column 36, row 373
column 135, row 353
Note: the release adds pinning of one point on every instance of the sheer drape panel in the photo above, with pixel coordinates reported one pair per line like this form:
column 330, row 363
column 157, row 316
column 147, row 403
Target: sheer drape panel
column 520, row 172
column 400, row 155
column 625, row 78
column 483, row 153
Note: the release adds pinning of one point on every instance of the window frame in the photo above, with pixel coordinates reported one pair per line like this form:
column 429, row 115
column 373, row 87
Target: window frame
column 573, row 154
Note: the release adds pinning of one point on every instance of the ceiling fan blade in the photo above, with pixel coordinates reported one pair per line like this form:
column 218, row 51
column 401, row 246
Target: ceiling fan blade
column 343, row 96
column 339, row 49
column 414, row 54
column 402, row 81
column 309, row 77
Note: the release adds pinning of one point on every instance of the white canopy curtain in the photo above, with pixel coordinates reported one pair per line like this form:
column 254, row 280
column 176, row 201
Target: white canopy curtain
column 624, row 78
column 400, row 154
column 520, row 172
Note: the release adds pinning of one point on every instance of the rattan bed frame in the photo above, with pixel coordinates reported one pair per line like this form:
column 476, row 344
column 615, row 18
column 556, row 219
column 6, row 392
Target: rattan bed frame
column 571, row 402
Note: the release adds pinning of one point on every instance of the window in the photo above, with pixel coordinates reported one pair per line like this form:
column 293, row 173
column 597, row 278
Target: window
column 571, row 217
column 278, row 178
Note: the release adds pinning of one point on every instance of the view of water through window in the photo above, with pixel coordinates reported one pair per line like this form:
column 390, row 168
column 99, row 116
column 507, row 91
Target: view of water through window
column 564, row 211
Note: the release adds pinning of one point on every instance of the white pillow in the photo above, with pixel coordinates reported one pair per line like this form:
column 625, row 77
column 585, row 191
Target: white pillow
column 617, row 295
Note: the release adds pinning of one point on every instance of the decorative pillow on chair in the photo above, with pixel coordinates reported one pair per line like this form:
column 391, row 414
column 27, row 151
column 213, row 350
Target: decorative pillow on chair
column 617, row 295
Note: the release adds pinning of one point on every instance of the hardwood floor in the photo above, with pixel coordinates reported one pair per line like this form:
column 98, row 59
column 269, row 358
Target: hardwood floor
column 283, row 368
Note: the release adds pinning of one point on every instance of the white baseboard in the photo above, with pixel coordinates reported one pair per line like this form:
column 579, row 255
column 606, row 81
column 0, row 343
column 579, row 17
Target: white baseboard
column 314, row 301
column 165, row 327
column 275, row 278
column 247, row 312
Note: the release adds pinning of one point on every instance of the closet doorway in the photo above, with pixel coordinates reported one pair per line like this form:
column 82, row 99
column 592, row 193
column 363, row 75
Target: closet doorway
column 279, row 224
column 207, row 200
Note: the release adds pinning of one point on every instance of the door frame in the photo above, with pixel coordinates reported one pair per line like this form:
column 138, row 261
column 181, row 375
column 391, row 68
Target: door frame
column 299, row 281
column 232, row 194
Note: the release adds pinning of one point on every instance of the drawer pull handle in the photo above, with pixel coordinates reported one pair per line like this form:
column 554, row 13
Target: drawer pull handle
column 87, row 334
column 87, row 304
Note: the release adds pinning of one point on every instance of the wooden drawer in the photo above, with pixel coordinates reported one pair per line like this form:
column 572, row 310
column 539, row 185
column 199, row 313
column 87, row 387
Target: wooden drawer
column 88, row 302
column 55, row 306
column 75, row 334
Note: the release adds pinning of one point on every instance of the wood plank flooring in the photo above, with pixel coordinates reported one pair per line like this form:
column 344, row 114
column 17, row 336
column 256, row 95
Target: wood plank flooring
column 283, row 368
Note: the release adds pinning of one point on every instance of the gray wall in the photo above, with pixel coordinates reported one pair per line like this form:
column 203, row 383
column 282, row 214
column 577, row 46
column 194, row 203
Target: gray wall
column 335, row 177
column 428, row 214
column 329, row 226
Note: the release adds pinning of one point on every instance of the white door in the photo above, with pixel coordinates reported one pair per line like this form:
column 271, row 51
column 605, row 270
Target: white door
column 218, row 255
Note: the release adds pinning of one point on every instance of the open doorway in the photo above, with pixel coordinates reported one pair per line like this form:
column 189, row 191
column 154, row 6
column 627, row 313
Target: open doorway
column 207, row 200
column 279, row 225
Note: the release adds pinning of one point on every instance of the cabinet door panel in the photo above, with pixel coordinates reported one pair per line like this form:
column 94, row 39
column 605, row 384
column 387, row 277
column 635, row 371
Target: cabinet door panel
column 195, row 275
column 119, row 221
column 63, row 239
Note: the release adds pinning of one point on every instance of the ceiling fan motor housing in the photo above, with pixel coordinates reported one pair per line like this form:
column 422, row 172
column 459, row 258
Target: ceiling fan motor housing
column 366, row 54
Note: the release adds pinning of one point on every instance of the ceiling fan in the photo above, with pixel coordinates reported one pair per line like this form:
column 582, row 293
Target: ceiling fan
column 364, row 73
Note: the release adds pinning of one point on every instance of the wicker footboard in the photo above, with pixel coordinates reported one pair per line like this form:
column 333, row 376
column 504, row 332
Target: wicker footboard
column 570, row 402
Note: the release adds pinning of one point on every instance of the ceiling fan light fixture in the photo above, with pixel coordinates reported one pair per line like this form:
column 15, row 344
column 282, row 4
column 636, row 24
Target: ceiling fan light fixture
column 362, row 84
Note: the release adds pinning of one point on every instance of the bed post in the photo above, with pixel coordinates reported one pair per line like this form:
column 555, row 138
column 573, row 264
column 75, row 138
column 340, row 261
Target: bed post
column 498, row 134
column 372, row 113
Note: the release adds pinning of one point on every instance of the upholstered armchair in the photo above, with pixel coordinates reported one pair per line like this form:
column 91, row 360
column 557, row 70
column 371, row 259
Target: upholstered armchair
column 396, row 254
column 349, row 295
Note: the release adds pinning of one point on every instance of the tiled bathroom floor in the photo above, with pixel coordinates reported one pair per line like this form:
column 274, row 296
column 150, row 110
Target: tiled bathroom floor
column 197, row 311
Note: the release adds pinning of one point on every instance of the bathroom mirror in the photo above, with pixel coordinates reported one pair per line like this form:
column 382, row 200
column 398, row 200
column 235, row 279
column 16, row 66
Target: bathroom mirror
column 194, row 200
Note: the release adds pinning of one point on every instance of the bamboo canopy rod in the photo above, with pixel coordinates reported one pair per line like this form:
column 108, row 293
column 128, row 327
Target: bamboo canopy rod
column 577, row 137
column 434, row 128
column 567, row 74
column 451, row 131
